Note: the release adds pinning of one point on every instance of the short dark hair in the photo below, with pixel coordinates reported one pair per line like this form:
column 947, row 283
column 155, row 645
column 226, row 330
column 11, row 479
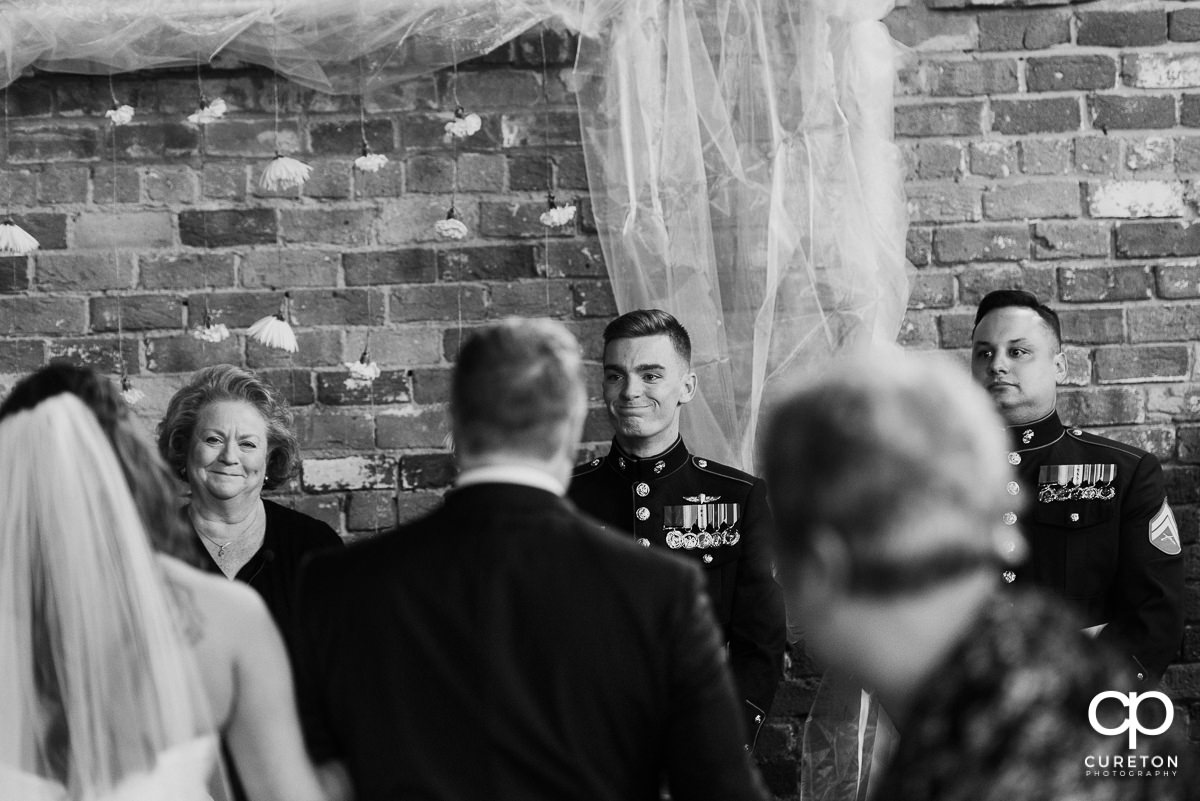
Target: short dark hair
column 1003, row 298
column 515, row 386
column 226, row 382
column 153, row 490
column 649, row 323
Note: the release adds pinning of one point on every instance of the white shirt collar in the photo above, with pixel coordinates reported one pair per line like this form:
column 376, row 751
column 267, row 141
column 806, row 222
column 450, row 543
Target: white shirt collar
column 510, row 474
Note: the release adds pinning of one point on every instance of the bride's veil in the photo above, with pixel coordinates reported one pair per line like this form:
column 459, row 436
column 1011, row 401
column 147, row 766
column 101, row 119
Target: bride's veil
column 96, row 682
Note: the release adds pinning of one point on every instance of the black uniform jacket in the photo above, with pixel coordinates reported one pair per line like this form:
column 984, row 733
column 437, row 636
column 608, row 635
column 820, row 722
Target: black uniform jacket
column 1101, row 535
column 717, row 516
column 504, row 647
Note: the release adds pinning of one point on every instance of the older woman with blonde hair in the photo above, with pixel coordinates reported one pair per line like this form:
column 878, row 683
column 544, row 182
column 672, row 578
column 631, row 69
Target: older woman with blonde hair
column 227, row 433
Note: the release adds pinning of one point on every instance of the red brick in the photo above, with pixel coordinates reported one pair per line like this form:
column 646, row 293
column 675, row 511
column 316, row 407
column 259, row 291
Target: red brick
column 242, row 137
column 986, row 77
column 185, row 270
column 225, row 181
column 1189, row 444
column 1178, row 280
column 126, row 189
column 147, row 141
column 370, row 512
column 50, row 230
column 422, row 428
column 35, row 145
column 1071, row 240
column 932, row 291
column 427, row 470
column 1158, row 440
column 81, row 271
column 981, row 243
column 348, row 473
column 1140, row 363
column 975, row 282
column 511, row 219
column 1119, row 112
column 1041, row 115
column 1189, row 111
column 426, row 131
column 571, row 258
column 1122, row 28
column 296, row 386
column 918, row 330
column 326, row 225
column 63, row 183
column 1174, row 322
column 336, row 431
column 1066, row 73
column 104, row 354
column 234, row 309
column 21, row 355
column 1105, row 283
column 387, row 182
column 29, row 97
column 338, row 389
column 496, row 262
column 539, row 128
column 594, row 299
column 954, row 330
column 17, row 186
column 329, row 180
column 1184, row 25
column 226, row 227
column 1023, row 30
column 132, row 229
column 345, row 138
column 184, row 354
column 1187, row 155
column 326, row 508
column 941, row 203
column 338, row 307
column 14, row 274
column 1098, row 155
column 1032, row 200
column 1151, row 154
column 939, row 119
column 317, row 348
column 993, row 159
column 918, row 245
column 410, row 266
column 171, row 186
column 1093, row 326
column 431, row 385
column 1096, row 406
column 1142, row 239
column 284, row 269
column 136, row 312
column 409, row 345
column 413, row 505
column 529, row 172
column 541, row 298
column 420, row 302
column 1182, row 485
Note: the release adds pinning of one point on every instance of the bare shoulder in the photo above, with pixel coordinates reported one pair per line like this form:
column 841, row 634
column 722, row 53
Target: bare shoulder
column 202, row 597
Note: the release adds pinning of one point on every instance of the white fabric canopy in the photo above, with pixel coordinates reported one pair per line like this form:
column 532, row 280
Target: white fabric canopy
column 739, row 152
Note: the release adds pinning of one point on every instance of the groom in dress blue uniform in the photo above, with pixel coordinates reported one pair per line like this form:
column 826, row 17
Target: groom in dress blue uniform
column 1094, row 510
column 652, row 488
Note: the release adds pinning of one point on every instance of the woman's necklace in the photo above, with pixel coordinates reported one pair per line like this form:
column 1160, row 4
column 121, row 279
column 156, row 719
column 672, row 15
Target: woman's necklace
column 221, row 546
column 251, row 522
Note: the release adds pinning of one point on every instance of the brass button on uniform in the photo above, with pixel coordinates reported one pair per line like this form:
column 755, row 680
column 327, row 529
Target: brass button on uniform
column 1010, row 518
column 642, row 489
column 1013, row 488
column 642, row 514
column 1009, row 576
column 642, row 541
column 1074, row 517
column 706, row 559
column 1014, row 458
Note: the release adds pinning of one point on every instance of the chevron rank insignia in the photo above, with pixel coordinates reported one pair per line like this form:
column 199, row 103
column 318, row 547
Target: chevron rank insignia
column 1164, row 534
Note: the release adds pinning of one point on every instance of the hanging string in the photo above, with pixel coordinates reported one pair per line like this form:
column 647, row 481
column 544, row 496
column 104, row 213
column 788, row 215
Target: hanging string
column 549, row 165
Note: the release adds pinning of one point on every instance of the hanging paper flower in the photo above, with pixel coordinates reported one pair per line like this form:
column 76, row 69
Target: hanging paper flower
column 463, row 125
column 370, row 162
column 209, row 111
column 274, row 331
column 284, row 173
column 120, row 115
column 15, row 240
column 557, row 216
column 362, row 372
column 451, row 227
column 131, row 394
column 210, row 332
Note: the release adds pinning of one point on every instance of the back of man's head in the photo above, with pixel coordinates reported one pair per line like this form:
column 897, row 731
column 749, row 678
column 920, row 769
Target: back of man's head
column 901, row 458
column 649, row 323
column 1019, row 298
column 517, row 389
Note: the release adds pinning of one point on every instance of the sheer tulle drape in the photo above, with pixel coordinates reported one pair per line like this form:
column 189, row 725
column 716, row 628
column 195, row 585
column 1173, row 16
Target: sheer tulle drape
column 739, row 151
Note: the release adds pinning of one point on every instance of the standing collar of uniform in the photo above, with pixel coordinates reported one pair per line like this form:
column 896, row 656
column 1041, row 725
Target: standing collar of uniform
column 1037, row 433
column 647, row 468
column 510, row 474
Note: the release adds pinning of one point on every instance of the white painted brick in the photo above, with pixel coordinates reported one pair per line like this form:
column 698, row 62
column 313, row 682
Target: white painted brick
column 348, row 473
column 1131, row 199
column 1164, row 70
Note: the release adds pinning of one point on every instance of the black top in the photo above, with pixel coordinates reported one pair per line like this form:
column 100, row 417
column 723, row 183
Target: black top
column 272, row 571
column 718, row 517
column 1006, row 716
column 504, row 647
column 1102, row 535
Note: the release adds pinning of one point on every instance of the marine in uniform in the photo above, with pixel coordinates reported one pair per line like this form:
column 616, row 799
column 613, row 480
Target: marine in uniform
column 650, row 487
column 1094, row 511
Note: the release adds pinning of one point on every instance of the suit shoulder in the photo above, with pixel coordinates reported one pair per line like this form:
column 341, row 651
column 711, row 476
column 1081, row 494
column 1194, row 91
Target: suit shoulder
column 586, row 467
column 1104, row 444
column 722, row 470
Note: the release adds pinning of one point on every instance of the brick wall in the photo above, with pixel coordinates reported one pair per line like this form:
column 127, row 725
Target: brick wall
column 1051, row 148
column 1057, row 149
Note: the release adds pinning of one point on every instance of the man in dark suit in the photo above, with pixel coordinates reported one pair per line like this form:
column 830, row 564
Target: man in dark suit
column 1101, row 532
column 505, row 646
